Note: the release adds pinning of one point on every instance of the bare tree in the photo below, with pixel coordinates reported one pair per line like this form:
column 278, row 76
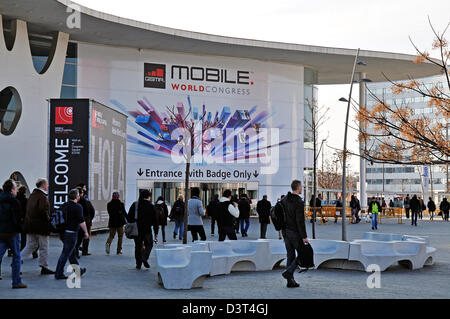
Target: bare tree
column 313, row 124
column 397, row 135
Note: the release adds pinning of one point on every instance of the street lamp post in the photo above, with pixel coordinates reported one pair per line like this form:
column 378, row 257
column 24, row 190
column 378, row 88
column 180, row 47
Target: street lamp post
column 344, row 155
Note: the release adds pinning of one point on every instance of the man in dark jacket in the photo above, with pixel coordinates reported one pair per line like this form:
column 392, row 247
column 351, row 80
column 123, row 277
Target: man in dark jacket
column 431, row 207
column 177, row 214
column 211, row 211
column 73, row 223
column 416, row 207
column 89, row 214
column 294, row 231
column 407, row 206
column 37, row 225
column 244, row 214
column 146, row 218
column 263, row 208
column 10, row 229
column 444, row 207
column 117, row 218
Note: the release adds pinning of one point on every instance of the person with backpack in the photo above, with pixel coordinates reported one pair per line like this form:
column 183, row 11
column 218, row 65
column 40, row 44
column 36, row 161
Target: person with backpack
column 228, row 211
column 423, row 208
column 292, row 208
column 263, row 208
column 244, row 214
column 73, row 222
column 355, row 207
column 415, row 208
column 163, row 213
column 117, row 218
column 195, row 213
column 406, row 205
column 10, row 228
column 444, row 208
column 374, row 209
column 177, row 214
column 431, row 207
column 211, row 211
column 89, row 214
column 144, row 214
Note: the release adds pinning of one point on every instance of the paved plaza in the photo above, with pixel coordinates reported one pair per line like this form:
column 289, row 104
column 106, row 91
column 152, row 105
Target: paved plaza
column 116, row 277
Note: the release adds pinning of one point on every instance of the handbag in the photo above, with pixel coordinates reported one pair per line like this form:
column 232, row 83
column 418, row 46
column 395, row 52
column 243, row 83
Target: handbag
column 131, row 229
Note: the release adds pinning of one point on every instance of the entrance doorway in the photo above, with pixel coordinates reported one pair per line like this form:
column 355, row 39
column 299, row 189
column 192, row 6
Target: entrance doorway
column 171, row 190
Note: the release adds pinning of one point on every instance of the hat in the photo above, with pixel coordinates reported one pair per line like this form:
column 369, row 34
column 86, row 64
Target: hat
column 116, row 195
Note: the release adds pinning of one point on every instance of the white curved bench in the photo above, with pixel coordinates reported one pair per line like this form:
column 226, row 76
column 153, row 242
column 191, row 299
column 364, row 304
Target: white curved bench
column 387, row 253
column 382, row 236
column 326, row 250
column 182, row 267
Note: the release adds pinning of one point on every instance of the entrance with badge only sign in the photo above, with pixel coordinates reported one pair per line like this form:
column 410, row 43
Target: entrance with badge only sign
column 171, row 190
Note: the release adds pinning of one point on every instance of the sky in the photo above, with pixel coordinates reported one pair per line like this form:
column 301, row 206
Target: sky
column 381, row 25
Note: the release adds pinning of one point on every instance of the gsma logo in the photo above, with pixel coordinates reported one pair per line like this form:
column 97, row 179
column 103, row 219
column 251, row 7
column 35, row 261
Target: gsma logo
column 154, row 75
column 63, row 115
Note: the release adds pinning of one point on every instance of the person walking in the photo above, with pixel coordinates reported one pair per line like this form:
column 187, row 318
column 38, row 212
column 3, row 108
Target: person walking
column 37, row 225
column 354, row 208
column 163, row 214
column 234, row 199
column 406, row 205
column 422, row 208
column 415, row 206
column 294, row 231
column 195, row 213
column 431, row 207
column 228, row 212
column 89, row 214
column 143, row 212
column 374, row 209
column 10, row 228
column 391, row 203
column 263, row 208
column 177, row 212
column 74, row 221
column 244, row 214
column 212, row 210
column 22, row 198
column 117, row 218
column 338, row 209
column 444, row 207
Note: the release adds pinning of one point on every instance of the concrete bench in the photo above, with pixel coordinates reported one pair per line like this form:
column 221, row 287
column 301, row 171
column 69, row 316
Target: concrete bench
column 329, row 250
column 182, row 267
column 382, row 236
column 388, row 253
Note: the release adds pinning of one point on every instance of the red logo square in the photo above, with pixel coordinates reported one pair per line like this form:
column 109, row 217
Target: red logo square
column 64, row 115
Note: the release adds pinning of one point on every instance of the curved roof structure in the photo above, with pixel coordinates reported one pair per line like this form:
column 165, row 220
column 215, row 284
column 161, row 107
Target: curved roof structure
column 333, row 65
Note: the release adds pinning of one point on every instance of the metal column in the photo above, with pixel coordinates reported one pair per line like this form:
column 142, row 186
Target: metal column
column 362, row 161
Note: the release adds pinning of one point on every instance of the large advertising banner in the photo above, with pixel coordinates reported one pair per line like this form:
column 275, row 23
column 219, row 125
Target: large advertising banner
column 107, row 159
column 246, row 116
column 68, row 147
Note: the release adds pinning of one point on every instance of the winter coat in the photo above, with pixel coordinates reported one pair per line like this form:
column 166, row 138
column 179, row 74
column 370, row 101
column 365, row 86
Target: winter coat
column 244, row 208
column 263, row 208
column 213, row 208
column 23, row 205
column 354, row 204
column 177, row 211
column 444, row 206
column 117, row 213
column 295, row 214
column 88, row 211
column 415, row 204
column 431, row 206
column 10, row 211
column 162, row 205
column 146, row 217
column 37, row 218
column 195, row 212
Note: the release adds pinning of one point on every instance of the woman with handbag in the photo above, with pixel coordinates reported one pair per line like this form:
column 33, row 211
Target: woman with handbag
column 143, row 214
column 117, row 218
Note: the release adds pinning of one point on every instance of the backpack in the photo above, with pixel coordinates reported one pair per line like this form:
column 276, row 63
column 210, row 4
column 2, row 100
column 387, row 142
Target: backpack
column 306, row 257
column 160, row 214
column 278, row 215
column 58, row 220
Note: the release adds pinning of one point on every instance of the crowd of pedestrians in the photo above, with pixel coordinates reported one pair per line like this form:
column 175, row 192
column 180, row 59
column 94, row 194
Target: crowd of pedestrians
column 25, row 223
